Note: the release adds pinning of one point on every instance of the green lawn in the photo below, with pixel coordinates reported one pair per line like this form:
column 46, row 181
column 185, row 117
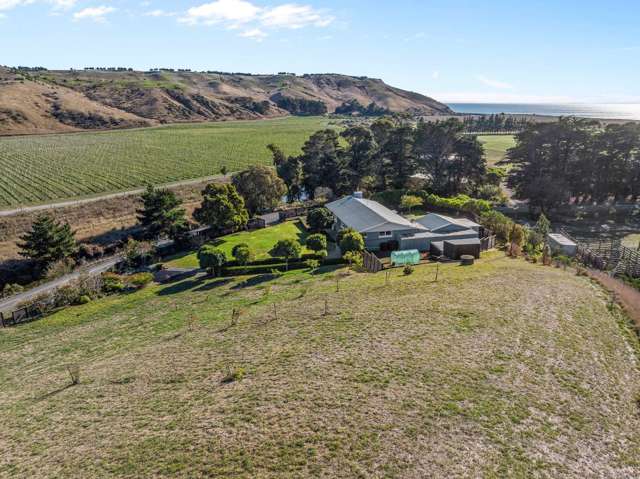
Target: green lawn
column 260, row 242
column 496, row 146
column 44, row 168
column 503, row 369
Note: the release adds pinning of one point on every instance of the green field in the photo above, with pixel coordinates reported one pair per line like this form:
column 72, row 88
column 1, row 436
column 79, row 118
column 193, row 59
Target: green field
column 496, row 146
column 45, row 168
column 503, row 369
column 260, row 242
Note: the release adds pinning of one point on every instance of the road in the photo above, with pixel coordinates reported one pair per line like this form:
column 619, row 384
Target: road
column 10, row 304
column 137, row 191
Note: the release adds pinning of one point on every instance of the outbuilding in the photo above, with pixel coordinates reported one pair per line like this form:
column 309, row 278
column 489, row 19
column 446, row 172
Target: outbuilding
column 560, row 244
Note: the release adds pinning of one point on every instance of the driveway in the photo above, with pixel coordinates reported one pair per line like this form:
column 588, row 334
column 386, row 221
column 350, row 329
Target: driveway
column 10, row 304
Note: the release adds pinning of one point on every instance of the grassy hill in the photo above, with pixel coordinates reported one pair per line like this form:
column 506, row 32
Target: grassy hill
column 503, row 369
column 60, row 101
column 44, row 168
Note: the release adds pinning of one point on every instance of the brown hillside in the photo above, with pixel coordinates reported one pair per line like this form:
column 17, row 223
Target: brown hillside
column 59, row 101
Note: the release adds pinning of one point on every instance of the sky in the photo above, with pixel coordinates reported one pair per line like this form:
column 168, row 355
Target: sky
column 454, row 51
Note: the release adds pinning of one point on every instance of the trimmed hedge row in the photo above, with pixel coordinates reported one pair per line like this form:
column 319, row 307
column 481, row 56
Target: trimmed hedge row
column 280, row 266
column 275, row 261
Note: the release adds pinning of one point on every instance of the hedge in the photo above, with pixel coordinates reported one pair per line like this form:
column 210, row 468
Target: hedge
column 282, row 267
column 272, row 261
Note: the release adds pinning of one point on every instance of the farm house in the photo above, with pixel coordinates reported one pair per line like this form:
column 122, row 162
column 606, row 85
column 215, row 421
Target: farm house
column 384, row 229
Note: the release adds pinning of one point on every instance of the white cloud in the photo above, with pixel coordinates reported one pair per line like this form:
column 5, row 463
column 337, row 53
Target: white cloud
column 221, row 11
column 97, row 14
column 291, row 15
column 252, row 19
column 494, row 83
column 9, row 4
column 254, row 34
column 160, row 13
column 62, row 4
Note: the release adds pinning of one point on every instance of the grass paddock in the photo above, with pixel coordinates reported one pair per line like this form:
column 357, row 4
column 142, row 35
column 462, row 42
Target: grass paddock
column 503, row 369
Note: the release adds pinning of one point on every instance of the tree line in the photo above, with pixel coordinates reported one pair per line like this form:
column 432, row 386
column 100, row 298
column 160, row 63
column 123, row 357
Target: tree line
column 576, row 161
column 390, row 153
column 495, row 123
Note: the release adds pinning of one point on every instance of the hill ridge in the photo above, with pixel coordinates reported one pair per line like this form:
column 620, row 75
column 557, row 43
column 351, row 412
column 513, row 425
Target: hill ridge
column 53, row 101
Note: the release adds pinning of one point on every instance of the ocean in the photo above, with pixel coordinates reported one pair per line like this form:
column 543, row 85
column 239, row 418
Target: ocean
column 621, row 111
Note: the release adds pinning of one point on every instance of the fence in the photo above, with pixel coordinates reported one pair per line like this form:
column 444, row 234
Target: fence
column 608, row 255
column 371, row 262
column 19, row 316
column 487, row 243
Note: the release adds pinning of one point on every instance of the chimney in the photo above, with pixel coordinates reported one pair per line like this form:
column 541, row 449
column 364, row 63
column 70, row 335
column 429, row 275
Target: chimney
column 358, row 194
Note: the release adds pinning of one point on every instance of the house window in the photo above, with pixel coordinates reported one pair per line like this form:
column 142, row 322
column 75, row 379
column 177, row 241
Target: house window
column 385, row 234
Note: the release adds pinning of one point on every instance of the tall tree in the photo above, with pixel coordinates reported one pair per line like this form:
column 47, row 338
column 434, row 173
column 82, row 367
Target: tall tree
column 48, row 241
column 161, row 214
column 322, row 163
column 260, row 187
column 359, row 155
column 222, row 208
column 289, row 169
column 398, row 162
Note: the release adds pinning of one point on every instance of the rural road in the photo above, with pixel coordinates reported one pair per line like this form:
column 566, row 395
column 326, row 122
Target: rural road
column 8, row 305
column 137, row 191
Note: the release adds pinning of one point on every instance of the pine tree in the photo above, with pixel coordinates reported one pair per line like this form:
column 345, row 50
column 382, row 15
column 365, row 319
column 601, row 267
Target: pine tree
column 161, row 214
column 48, row 241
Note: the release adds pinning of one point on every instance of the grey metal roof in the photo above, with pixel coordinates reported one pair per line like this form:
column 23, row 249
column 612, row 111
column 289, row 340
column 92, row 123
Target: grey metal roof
column 466, row 241
column 435, row 235
column 366, row 215
column 435, row 221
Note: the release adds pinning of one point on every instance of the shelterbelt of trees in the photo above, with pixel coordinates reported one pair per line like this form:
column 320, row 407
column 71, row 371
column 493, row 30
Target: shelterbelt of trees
column 388, row 154
column 576, row 160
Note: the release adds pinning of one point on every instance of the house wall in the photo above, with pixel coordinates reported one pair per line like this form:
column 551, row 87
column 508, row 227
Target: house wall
column 373, row 241
column 424, row 244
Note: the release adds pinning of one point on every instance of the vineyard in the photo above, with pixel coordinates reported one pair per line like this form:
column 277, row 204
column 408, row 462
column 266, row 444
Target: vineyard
column 41, row 169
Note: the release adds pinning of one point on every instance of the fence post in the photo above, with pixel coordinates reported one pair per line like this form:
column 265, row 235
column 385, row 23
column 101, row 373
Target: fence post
column 2, row 320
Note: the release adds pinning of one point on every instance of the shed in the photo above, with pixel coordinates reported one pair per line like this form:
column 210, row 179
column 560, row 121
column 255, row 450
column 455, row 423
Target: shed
column 561, row 244
column 453, row 249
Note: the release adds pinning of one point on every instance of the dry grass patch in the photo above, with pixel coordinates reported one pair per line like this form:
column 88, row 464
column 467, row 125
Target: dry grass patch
column 501, row 369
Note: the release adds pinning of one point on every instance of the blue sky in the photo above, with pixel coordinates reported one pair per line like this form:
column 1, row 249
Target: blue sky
column 494, row 50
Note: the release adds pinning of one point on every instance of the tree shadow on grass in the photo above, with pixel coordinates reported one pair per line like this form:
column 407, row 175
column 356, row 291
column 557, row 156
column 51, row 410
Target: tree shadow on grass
column 255, row 281
column 180, row 287
column 53, row 393
column 213, row 284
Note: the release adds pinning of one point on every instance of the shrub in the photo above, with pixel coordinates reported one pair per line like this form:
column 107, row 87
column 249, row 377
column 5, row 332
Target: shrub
column 112, row 283
column 287, row 249
column 137, row 253
column 242, row 254
column 408, row 269
column 352, row 241
column 139, row 280
column 353, row 258
column 66, row 295
column 233, row 375
column 212, row 259
column 312, row 264
column 10, row 290
column 319, row 219
column 408, row 202
column 317, row 242
column 237, row 247
column 60, row 268
column 84, row 299
column 462, row 203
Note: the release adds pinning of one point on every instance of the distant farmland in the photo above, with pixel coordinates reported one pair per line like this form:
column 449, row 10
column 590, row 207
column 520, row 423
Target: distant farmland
column 40, row 169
